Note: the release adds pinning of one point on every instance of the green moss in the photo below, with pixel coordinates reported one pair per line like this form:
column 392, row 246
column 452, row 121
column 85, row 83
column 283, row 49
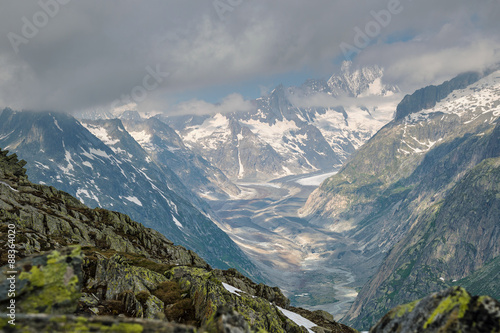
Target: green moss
column 54, row 283
column 460, row 298
column 3, row 322
column 403, row 309
column 82, row 325
column 125, row 328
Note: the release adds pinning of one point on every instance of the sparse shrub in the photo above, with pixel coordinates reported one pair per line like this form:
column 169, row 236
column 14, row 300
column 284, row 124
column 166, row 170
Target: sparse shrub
column 168, row 292
column 181, row 312
column 113, row 307
column 142, row 296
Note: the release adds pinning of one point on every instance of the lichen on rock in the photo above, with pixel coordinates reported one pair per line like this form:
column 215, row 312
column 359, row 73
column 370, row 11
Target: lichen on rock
column 452, row 310
column 48, row 283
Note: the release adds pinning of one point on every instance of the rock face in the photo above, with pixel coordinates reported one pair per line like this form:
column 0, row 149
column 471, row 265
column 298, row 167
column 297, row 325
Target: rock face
column 68, row 323
column 90, row 264
column 452, row 310
column 427, row 97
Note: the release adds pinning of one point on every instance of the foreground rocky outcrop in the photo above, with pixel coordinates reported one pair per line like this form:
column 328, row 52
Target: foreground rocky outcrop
column 81, row 269
column 452, row 310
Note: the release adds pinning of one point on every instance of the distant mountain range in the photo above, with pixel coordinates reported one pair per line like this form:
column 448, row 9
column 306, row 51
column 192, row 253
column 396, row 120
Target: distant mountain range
column 291, row 131
column 422, row 197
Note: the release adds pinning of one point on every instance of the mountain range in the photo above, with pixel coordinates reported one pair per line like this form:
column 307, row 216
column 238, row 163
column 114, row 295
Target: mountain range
column 293, row 130
column 422, row 196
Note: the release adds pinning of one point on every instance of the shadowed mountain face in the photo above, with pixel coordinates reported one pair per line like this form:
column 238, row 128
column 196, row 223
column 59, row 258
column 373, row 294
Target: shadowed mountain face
column 422, row 199
column 165, row 147
column 103, row 165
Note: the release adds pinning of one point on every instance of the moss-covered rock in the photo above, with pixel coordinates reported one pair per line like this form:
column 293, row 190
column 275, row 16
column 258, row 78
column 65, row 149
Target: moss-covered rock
column 453, row 310
column 69, row 324
column 47, row 283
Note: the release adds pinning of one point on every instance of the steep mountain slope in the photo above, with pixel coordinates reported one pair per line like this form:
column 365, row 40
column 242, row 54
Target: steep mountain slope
column 102, row 263
column 106, row 167
column 289, row 131
column 448, row 242
column 166, row 148
column 403, row 193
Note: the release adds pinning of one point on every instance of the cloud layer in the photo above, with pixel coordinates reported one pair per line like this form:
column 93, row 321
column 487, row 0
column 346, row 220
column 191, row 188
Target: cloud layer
column 73, row 55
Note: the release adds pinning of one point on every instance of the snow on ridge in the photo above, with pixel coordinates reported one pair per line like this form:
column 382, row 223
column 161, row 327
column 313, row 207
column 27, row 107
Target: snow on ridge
column 212, row 131
column 478, row 98
column 143, row 138
column 272, row 134
column 101, row 133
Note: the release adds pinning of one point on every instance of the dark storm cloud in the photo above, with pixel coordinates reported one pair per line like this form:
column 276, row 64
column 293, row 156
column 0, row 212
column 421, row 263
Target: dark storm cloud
column 90, row 53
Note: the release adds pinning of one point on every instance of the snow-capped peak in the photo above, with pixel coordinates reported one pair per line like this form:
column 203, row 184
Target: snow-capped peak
column 365, row 81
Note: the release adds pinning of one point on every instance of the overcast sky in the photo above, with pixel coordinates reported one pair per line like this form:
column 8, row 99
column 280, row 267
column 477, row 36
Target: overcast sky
column 84, row 54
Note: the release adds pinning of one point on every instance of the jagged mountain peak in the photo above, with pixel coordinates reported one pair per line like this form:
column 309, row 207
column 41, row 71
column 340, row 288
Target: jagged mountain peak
column 360, row 82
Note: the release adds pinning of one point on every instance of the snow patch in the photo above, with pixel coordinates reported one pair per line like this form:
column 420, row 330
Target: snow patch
column 231, row 289
column 10, row 187
column 98, row 152
column 177, row 223
column 133, row 200
column 41, row 165
column 88, row 164
column 57, row 124
column 298, row 319
column 101, row 133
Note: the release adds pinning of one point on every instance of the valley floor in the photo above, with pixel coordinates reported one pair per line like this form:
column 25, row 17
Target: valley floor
column 304, row 260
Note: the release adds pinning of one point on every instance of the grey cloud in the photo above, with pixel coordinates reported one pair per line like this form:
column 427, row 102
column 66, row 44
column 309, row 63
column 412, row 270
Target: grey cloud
column 92, row 52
